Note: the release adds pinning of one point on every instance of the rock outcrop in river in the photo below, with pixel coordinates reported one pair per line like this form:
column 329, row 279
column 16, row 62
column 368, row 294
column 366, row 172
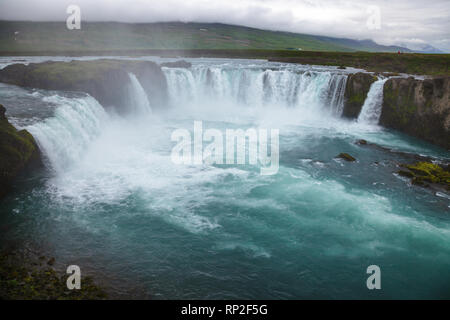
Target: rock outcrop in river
column 105, row 79
column 420, row 108
column 18, row 151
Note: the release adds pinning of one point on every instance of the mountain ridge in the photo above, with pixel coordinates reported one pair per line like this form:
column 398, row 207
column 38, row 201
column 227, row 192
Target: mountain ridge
column 16, row 36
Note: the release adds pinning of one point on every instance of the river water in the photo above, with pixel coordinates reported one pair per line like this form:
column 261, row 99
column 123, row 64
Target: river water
column 112, row 201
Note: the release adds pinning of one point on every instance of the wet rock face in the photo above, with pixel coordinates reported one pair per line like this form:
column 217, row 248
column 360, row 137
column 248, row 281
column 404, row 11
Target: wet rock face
column 420, row 108
column 177, row 64
column 18, row 152
column 105, row 80
column 356, row 89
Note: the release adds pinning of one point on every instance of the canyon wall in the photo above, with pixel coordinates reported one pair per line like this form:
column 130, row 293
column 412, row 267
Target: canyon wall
column 420, row 108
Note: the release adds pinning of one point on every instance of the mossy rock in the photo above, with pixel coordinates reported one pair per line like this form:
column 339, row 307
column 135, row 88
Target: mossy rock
column 18, row 152
column 20, row 281
column 426, row 173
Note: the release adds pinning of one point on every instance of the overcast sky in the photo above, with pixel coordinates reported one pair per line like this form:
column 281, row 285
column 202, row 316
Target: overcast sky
column 407, row 22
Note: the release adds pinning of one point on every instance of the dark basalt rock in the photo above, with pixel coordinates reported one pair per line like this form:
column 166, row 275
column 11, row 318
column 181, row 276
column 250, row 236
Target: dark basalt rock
column 18, row 153
column 420, row 108
column 346, row 157
column 106, row 80
column 361, row 142
column 356, row 89
column 177, row 64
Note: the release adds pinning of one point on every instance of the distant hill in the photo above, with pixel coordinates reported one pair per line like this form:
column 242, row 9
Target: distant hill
column 17, row 36
column 423, row 48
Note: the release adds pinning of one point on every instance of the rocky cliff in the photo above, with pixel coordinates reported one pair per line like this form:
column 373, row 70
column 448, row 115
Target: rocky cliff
column 356, row 89
column 106, row 80
column 18, row 152
column 420, row 108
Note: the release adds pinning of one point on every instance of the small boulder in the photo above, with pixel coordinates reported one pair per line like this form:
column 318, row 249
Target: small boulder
column 346, row 157
column 51, row 261
column 361, row 142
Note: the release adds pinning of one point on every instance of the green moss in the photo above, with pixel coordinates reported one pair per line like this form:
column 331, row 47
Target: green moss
column 17, row 150
column 357, row 87
column 423, row 173
column 18, row 280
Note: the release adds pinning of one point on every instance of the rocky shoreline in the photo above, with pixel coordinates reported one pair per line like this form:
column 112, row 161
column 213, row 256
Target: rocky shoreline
column 31, row 277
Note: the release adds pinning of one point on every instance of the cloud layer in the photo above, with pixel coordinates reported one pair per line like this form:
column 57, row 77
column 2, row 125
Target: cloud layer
column 405, row 22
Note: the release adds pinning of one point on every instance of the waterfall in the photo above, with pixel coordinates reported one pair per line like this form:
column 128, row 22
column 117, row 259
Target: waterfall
column 310, row 90
column 336, row 94
column 137, row 97
column 371, row 110
column 78, row 121
column 65, row 136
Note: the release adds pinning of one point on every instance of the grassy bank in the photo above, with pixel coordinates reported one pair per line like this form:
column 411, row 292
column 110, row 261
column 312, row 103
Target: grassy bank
column 412, row 63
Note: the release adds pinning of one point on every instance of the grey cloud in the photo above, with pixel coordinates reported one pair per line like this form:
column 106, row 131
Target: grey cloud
column 402, row 21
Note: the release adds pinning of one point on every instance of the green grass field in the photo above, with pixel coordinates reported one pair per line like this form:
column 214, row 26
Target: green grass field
column 94, row 36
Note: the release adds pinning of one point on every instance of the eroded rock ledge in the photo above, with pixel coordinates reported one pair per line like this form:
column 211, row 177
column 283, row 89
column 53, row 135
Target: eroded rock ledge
column 106, row 80
column 420, row 108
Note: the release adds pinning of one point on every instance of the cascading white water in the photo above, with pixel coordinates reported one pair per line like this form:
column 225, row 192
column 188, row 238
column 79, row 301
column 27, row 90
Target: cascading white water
column 65, row 136
column 137, row 97
column 310, row 90
column 371, row 110
column 336, row 93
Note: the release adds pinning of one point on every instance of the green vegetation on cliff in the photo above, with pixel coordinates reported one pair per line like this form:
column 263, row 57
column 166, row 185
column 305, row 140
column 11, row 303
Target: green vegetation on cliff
column 420, row 108
column 356, row 89
column 18, row 151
